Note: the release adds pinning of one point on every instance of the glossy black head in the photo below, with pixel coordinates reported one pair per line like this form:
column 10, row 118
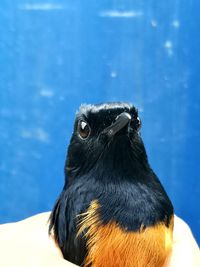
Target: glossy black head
column 105, row 134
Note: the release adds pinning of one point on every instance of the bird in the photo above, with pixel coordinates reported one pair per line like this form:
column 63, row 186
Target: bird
column 113, row 210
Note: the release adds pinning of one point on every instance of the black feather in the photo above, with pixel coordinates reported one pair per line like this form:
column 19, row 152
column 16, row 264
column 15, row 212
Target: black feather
column 113, row 170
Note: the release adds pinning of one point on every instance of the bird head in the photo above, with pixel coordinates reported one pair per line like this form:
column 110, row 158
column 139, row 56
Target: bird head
column 105, row 137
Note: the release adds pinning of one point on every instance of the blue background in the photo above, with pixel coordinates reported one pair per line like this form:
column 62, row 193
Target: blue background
column 56, row 55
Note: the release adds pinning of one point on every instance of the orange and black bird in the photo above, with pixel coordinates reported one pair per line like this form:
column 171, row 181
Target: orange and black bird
column 113, row 210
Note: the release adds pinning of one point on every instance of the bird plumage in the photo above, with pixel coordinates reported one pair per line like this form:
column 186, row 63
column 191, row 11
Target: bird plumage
column 113, row 210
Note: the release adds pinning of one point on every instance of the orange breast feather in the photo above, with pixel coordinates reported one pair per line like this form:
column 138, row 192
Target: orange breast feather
column 111, row 246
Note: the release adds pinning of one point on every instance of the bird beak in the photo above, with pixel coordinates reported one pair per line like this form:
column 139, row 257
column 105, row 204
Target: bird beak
column 121, row 121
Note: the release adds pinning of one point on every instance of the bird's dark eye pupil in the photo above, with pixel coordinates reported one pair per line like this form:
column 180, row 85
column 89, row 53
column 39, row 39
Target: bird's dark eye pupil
column 84, row 129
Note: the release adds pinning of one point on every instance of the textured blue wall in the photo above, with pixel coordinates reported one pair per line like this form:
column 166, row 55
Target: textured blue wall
column 55, row 55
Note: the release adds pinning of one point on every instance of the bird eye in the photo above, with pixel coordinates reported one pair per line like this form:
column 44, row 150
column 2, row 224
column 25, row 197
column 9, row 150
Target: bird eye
column 138, row 123
column 83, row 129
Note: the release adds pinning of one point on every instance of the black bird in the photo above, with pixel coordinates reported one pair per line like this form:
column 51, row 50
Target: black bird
column 113, row 210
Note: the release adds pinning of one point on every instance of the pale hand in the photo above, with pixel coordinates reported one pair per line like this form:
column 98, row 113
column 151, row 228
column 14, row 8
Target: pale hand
column 27, row 244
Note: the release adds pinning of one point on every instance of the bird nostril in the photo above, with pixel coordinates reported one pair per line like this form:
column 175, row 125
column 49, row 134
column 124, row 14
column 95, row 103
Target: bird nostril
column 110, row 132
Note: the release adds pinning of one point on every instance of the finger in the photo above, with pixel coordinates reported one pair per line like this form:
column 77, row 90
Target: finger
column 185, row 250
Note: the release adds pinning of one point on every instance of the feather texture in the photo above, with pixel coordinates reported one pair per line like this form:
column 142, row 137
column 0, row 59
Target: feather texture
column 113, row 210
